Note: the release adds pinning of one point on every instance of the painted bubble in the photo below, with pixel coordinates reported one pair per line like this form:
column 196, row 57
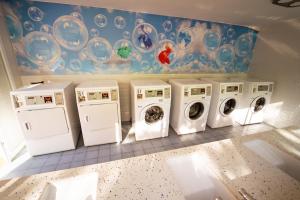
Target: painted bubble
column 77, row 15
column 70, row 32
column 211, row 40
column 172, row 36
column 184, row 38
column 46, row 28
column 64, row 54
column 119, row 22
column 14, row 28
column 225, row 55
column 167, row 25
column 41, row 48
column 100, row 20
column 139, row 21
column 28, row 26
column 162, row 36
column 203, row 59
column 188, row 58
column 126, row 35
column 230, row 33
column 75, row 64
column 83, row 54
column 60, row 64
column 99, row 49
column 165, row 53
column 94, row 32
column 144, row 37
column 35, row 14
column 123, row 49
column 244, row 44
column 145, row 63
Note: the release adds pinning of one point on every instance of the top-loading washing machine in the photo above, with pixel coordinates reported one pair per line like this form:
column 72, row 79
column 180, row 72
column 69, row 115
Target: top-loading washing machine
column 226, row 96
column 257, row 95
column 99, row 112
column 150, row 108
column 190, row 105
column 48, row 116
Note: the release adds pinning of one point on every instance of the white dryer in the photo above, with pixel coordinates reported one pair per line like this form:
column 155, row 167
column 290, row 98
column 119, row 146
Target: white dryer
column 190, row 105
column 48, row 117
column 257, row 95
column 226, row 96
column 150, row 108
column 99, row 112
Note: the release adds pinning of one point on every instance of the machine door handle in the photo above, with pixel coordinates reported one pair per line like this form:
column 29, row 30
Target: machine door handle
column 27, row 126
column 86, row 118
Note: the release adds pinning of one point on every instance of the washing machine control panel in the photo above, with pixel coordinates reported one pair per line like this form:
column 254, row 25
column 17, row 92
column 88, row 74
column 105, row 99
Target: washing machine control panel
column 232, row 89
column 154, row 93
column 262, row 88
column 197, row 91
column 33, row 100
column 100, row 95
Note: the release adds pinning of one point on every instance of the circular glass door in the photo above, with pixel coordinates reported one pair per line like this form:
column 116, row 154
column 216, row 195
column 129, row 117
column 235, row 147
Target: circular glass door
column 154, row 114
column 196, row 110
column 229, row 106
column 259, row 104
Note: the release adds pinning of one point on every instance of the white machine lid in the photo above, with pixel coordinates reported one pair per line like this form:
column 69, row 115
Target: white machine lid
column 186, row 82
column 141, row 83
column 224, row 80
column 98, row 84
column 44, row 87
column 255, row 81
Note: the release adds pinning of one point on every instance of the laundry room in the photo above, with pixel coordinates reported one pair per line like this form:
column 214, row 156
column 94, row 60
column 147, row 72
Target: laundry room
column 111, row 99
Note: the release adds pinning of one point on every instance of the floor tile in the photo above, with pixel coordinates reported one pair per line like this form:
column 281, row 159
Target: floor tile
column 77, row 163
column 91, row 161
column 91, row 155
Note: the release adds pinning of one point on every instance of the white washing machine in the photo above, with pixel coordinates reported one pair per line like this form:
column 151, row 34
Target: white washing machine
column 99, row 112
column 190, row 105
column 257, row 95
column 150, row 108
column 48, row 117
column 226, row 96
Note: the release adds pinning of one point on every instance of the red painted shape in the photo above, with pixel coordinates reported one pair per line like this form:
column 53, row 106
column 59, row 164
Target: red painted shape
column 163, row 56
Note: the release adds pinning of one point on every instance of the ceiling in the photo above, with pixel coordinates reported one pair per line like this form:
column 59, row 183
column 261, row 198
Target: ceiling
column 255, row 13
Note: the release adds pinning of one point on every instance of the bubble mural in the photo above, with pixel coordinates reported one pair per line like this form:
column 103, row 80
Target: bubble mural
column 60, row 39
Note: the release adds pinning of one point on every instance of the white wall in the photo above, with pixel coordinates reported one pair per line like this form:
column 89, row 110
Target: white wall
column 10, row 133
column 277, row 58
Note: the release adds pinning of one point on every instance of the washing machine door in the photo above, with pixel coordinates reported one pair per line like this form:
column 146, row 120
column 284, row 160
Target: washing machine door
column 152, row 114
column 258, row 104
column 228, row 106
column 194, row 110
column 41, row 123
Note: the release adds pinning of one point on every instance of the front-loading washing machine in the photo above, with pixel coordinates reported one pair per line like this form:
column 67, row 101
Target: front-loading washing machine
column 226, row 96
column 99, row 112
column 190, row 105
column 257, row 95
column 48, row 116
column 150, row 108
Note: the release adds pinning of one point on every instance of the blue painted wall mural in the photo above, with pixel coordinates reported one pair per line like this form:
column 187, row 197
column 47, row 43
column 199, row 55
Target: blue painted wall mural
column 63, row 39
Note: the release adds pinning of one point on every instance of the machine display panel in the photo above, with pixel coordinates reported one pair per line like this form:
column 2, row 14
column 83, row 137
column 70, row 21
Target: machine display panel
column 263, row 88
column 197, row 91
column 232, row 88
column 153, row 93
column 37, row 100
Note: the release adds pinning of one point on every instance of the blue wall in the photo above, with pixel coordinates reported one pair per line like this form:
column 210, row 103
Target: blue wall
column 62, row 39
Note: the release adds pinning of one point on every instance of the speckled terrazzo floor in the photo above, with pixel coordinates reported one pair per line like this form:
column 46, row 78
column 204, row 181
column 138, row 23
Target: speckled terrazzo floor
column 149, row 176
column 83, row 156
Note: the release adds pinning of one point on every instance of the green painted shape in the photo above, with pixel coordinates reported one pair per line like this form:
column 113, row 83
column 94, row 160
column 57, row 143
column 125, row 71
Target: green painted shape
column 124, row 52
